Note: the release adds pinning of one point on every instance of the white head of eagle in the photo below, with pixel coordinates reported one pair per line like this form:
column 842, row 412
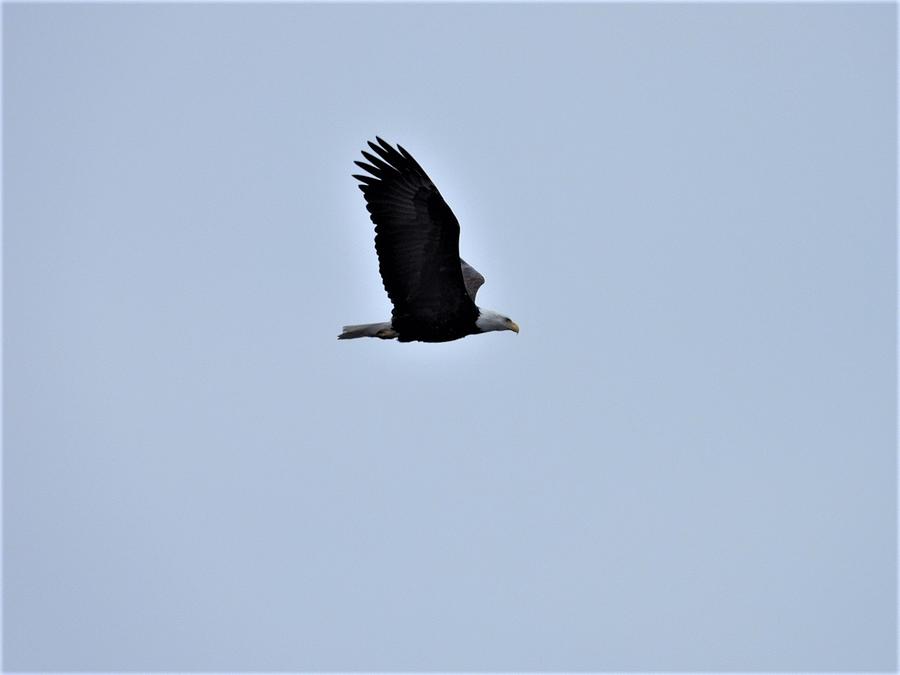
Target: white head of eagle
column 431, row 288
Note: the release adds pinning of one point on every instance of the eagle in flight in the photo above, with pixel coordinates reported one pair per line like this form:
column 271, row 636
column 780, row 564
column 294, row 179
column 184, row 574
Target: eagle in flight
column 431, row 288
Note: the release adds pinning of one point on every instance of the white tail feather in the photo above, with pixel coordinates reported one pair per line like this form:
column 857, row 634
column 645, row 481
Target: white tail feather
column 381, row 330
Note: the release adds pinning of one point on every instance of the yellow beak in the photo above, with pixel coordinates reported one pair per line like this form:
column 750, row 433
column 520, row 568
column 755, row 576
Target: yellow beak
column 514, row 326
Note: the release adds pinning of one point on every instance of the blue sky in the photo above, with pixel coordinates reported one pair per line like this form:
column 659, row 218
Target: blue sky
column 685, row 461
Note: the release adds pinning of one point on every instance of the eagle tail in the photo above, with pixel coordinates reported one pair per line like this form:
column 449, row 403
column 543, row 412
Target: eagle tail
column 380, row 330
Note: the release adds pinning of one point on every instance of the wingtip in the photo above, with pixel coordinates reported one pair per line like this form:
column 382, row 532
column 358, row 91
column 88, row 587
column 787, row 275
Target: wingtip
column 368, row 167
column 390, row 149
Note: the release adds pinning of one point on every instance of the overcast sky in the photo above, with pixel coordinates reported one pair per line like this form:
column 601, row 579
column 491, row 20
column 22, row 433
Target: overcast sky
column 685, row 461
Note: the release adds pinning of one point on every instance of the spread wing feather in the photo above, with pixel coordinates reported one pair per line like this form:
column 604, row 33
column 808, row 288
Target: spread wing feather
column 472, row 278
column 416, row 238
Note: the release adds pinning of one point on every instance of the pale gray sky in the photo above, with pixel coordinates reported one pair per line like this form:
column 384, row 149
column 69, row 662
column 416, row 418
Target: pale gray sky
column 685, row 461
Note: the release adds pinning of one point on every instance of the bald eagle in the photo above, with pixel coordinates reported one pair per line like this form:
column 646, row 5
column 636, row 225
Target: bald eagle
column 431, row 288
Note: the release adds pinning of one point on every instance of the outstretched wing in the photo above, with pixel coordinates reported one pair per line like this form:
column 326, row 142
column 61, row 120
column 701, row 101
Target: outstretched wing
column 472, row 278
column 416, row 238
